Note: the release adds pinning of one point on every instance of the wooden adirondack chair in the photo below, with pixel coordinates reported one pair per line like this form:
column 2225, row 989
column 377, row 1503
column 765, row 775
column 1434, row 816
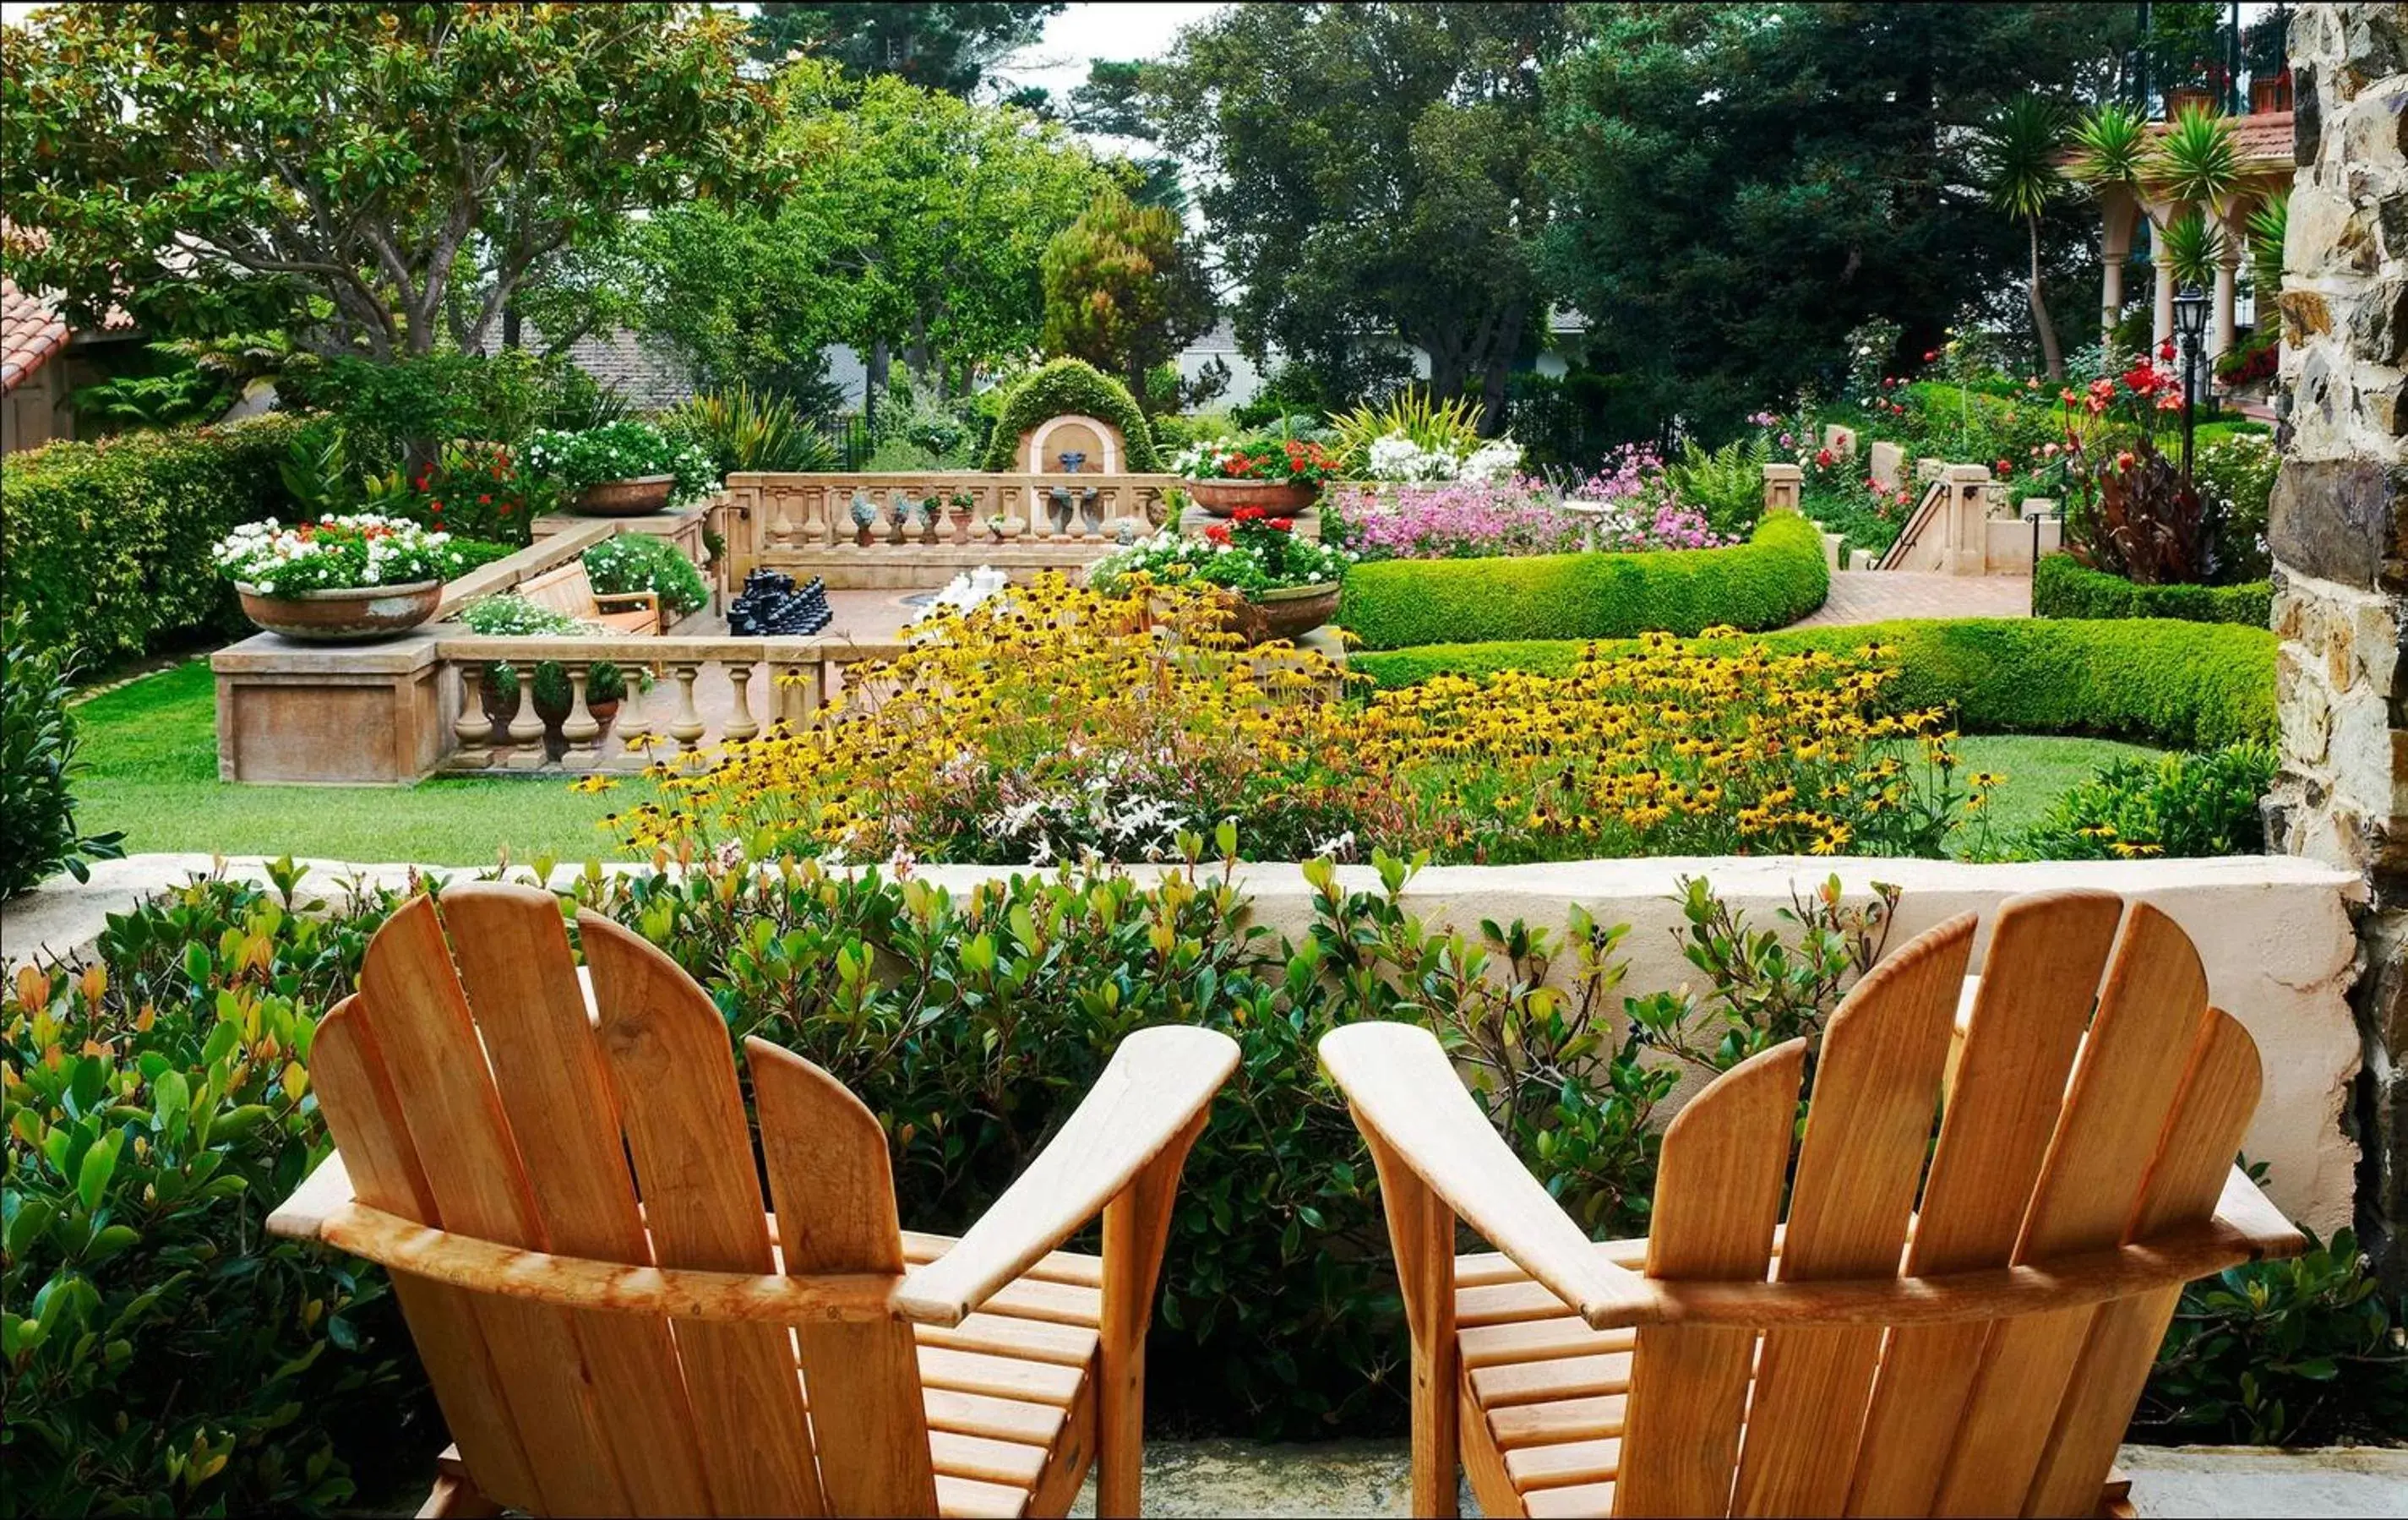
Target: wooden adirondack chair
column 1979, row 1354
column 608, row 1342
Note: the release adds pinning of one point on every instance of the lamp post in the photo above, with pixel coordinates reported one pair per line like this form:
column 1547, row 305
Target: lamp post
column 2190, row 329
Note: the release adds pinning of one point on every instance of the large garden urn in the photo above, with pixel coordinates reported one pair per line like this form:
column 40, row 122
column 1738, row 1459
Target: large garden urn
column 353, row 615
column 1278, row 498
column 635, row 496
column 1286, row 612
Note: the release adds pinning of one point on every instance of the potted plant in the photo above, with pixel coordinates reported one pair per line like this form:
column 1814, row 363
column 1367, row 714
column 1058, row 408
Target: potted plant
column 623, row 468
column 340, row 579
column 1270, row 474
column 1276, row 584
column 959, row 507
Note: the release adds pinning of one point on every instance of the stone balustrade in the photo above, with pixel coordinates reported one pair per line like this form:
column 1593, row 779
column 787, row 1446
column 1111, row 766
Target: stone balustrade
column 875, row 529
column 703, row 691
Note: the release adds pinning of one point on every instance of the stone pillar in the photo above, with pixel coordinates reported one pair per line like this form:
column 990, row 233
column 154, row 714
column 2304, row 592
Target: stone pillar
column 1783, row 487
column 2339, row 530
column 2161, row 318
column 2119, row 211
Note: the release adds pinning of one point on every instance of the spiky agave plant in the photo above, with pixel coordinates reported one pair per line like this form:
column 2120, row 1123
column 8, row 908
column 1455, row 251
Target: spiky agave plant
column 2190, row 244
column 2197, row 160
column 2268, row 226
column 1426, row 422
column 2111, row 146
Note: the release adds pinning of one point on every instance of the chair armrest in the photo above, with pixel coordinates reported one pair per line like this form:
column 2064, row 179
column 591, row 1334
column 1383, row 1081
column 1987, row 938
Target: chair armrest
column 1405, row 1092
column 1156, row 1085
column 327, row 1188
column 649, row 598
column 2249, row 1215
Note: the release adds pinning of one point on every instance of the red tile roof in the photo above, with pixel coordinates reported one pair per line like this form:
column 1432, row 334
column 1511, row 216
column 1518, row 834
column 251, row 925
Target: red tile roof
column 2264, row 140
column 30, row 332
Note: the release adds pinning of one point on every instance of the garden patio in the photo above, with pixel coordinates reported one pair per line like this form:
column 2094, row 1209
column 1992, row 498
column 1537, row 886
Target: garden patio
column 1562, row 901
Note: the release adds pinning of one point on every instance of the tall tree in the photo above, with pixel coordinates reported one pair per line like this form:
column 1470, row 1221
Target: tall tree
column 377, row 177
column 1371, row 176
column 1736, row 186
column 2020, row 171
column 952, row 49
column 915, row 224
column 1123, row 290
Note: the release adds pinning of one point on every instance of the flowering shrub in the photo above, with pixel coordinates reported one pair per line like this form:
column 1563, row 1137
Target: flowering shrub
column 1252, row 552
column 510, row 615
column 1272, row 460
column 633, row 562
column 333, row 554
column 1624, row 505
column 1074, row 721
column 1396, row 457
column 621, row 451
column 476, row 490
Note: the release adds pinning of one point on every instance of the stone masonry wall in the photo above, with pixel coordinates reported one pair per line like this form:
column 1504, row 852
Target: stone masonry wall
column 2339, row 529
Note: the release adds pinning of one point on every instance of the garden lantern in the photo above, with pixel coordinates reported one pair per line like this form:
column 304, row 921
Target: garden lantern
column 2190, row 330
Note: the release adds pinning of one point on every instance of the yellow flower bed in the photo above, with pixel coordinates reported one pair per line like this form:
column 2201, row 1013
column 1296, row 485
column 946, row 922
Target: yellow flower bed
column 1059, row 721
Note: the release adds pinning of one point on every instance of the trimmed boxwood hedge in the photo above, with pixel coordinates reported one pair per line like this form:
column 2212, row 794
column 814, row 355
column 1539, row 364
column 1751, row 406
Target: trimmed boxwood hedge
column 105, row 545
column 1775, row 578
column 2065, row 588
column 2189, row 685
column 1070, row 387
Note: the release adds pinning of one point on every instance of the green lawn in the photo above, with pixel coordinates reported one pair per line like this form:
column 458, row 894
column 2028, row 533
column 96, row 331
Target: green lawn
column 148, row 765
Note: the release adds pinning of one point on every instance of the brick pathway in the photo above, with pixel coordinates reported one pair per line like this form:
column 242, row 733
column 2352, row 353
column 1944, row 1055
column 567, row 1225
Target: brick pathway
column 1878, row 595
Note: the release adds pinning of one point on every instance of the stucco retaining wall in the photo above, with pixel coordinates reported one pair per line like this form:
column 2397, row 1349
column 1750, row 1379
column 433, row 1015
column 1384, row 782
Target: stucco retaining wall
column 2274, row 933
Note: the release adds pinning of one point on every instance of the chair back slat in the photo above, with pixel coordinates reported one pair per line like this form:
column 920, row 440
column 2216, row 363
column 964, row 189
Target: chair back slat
column 1867, row 1132
column 1718, row 1197
column 2131, row 1070
column 365, row 1121
column 2219, row 1094
column 512, row 953
column 2046, row 956
column 420, row 1022
column 833, row 1188
column 683, row 1112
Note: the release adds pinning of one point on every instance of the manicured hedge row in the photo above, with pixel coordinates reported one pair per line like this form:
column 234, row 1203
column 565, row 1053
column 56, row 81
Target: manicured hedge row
column 2190, row 685
column 1776, row 578
column 107, row 544
column 2063, row 588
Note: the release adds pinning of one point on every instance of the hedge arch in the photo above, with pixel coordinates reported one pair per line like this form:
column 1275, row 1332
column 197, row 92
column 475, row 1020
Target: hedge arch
column 1070, row 386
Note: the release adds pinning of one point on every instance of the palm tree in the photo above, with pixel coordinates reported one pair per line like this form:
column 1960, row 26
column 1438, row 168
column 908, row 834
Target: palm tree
column 2199, row 161
column 2019, row 154
column 2267, row 226
column 2111, row 155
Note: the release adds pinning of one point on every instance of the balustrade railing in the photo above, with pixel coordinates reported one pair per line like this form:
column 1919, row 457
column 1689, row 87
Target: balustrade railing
column 701, row 692
column 764, row 512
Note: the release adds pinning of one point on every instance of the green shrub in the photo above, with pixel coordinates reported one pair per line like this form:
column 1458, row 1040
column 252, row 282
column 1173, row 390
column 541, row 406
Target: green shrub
column 105, row 546
column 1725, row 485
column 37, row 745
column 1775, row 579
column 2236, row 471
column 1070, row 387
column 2283, row 1353
column 744, row 429
column 2178, row 805
column 2062, row 587
column 633, row 562
column 386, row 412
column 2186, row 686
column 165, row 1356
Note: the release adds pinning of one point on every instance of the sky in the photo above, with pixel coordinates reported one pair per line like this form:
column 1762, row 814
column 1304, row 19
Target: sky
column 1087, row 32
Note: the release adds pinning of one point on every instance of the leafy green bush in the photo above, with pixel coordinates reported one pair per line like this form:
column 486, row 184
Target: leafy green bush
column 2178, row 805
column 37, row 745
column 2062, row 587
column 2283, row 1353
column 106, row 547
column 2235, row 471
column 744, row 429
column 1776, row 578
column 1727, row 484
column 1068, row 387
column 634, row 562
column 165, row 1356
column 384, row 413
column 2186, row 686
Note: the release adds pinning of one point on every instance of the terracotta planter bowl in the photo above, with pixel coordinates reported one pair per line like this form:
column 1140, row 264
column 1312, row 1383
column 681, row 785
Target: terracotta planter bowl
column 1289, row 612
column 353, row 616
column 1222, row 497
column 633, row 498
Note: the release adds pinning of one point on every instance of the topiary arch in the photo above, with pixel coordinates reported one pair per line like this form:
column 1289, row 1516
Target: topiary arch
column 1070, row 387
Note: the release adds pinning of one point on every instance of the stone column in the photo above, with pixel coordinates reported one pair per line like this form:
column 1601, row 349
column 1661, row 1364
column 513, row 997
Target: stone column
column 2161, row 316
column 2339, row 531
column 2119, row 213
